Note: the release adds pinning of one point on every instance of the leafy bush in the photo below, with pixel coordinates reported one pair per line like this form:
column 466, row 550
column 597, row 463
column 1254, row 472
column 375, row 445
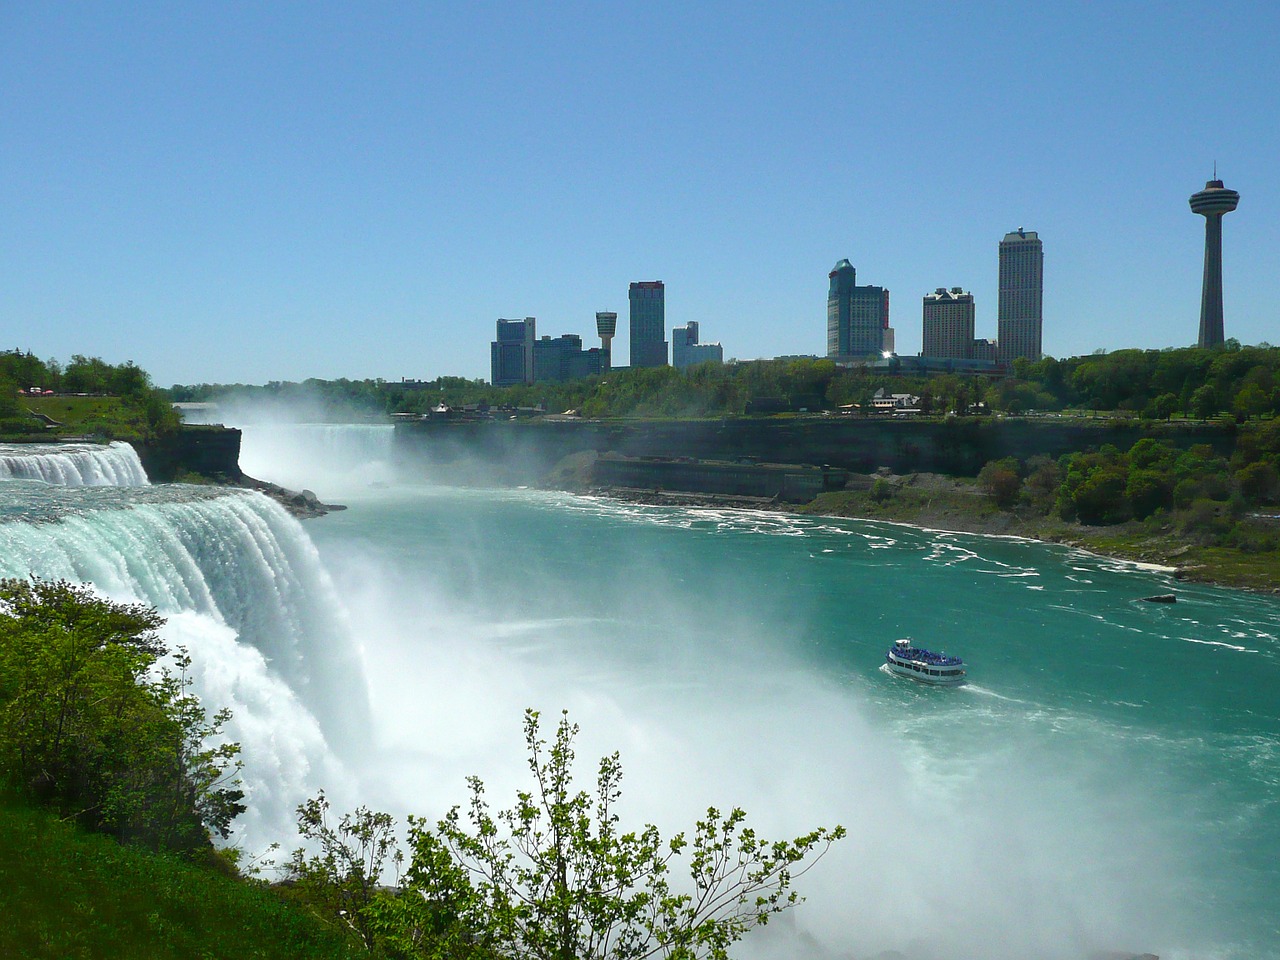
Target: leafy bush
column 89, row 728
column 554, row 876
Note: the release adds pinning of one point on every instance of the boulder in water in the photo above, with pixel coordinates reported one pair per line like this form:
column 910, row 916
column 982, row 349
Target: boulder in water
column 303, row 504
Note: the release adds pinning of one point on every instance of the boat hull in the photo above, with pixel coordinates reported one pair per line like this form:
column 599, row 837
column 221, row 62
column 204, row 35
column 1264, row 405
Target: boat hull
column 927, row 673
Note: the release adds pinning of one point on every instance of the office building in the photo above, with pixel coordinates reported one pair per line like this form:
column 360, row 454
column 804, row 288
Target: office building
column 857, row 317
column 1020, row 320
column 949, row 317
column 563, row 358
column 985, row 350
column 648, row 323
column 606, row 327
column 686, row 351
column 1212, row 203
column 511, row 355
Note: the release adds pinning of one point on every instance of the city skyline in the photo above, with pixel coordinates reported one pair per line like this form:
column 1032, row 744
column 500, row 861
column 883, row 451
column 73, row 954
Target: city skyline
column 359, row 191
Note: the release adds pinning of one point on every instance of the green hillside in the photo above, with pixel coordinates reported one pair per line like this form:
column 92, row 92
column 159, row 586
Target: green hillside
column 66, row 893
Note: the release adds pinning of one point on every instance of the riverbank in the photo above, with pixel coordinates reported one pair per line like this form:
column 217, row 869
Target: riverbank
column 938, row 502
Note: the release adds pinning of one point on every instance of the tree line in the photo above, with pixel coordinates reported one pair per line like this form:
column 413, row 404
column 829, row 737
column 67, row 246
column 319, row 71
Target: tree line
column 1198, row 494
column 22, row 374
column 1235, row 380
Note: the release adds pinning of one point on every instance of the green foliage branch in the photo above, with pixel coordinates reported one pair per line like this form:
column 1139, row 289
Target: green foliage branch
column 555, row 876
column 341, row 874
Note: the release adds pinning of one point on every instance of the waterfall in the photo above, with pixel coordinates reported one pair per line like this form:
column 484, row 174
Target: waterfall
column 73, row 464
column 330, row 458
column 242, row 587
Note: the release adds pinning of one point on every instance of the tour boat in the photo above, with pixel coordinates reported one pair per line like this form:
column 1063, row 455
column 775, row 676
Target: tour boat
column 907, row 660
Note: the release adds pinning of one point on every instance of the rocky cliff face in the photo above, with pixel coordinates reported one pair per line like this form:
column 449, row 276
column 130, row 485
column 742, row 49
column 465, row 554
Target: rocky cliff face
column 210, row 451
column 525, row 451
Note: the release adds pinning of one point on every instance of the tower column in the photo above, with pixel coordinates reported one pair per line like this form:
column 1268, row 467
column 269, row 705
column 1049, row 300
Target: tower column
column 1211, row 326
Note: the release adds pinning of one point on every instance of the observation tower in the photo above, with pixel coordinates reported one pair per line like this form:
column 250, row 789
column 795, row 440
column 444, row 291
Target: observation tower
column 606, row 327
column 1211, row 203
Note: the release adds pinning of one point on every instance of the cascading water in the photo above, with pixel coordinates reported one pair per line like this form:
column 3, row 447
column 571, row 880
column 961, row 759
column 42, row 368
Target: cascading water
column 242, row 588
column 324, row 457
column 73, row 464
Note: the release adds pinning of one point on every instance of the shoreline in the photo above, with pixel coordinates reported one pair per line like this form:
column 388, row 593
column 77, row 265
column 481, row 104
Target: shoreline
column 711, row 500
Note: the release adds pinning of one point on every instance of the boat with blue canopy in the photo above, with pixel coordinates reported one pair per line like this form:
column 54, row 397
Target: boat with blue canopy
column 905, row 659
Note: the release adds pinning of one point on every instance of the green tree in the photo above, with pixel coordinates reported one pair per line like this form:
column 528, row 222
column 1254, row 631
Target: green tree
column 1250, row 401
column 1000, row 481
column 1205, row 403
column 9, row 406
column 342, row 876
column 1044, row 476
column 1161, row 408
column 556, row 878
column 1102, row 498
column 1148, row 491
column 1258, row 482
column 88, row 726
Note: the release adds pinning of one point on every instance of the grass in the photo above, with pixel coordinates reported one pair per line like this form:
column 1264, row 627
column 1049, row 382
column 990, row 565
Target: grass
column 82, row 416
column 68, row 894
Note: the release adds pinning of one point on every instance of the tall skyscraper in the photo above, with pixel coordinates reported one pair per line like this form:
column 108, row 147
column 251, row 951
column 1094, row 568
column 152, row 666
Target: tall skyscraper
column 1212, row 203
column 949, row 317
column 648, row 323
column 511, row 355
column 857, row 317
column 606, row 327
column 1020, row 322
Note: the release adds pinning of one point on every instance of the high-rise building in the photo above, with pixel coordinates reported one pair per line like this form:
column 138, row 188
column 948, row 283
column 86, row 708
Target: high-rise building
column 857, row 317
column 606, row 327
column 563, row 358
column 511, row 355
column 949, row 317
column 1020, row 321
column 648, row 323
column 1212, row 203
column 686, row 351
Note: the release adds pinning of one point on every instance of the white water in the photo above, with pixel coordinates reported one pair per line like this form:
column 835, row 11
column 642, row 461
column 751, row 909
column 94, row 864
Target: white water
column 73, row 464
column 242, row 588
column 323, row 457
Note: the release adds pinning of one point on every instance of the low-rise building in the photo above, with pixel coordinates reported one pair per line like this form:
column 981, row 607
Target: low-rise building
column 686, row 351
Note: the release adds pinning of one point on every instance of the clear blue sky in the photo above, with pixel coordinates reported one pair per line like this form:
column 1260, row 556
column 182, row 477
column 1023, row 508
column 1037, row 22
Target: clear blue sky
column 256, row 191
